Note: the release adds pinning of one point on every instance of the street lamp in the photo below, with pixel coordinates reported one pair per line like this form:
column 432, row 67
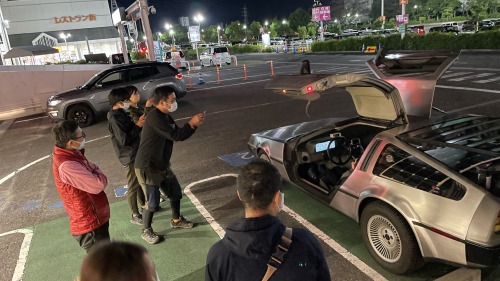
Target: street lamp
column 218, row 35
column 173, row 37
column 198, row 18
column 65, row 36
column 416, row 11
column 283, row 22
column 356, row 15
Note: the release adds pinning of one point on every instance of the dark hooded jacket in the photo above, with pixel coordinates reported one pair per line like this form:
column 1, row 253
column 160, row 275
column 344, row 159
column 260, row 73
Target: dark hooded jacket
column 125, row 136
column 244, row 251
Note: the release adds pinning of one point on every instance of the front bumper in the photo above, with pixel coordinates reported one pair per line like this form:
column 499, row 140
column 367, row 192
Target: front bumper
column 480, row 256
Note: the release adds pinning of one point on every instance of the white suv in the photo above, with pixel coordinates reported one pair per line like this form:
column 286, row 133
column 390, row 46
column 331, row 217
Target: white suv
column 215, row 55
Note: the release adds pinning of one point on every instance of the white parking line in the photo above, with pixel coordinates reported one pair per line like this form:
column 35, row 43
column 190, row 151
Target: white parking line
column 321, row 235
column 454, row 74
column 23, row 252
column 471, row 77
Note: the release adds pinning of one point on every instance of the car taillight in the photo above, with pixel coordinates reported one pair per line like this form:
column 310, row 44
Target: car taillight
column 496, row 229
column 309, row 89
column 179, row 76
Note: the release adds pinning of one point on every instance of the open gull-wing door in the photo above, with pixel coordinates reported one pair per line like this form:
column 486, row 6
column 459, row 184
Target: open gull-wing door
column 372, row 97
column 414, row 74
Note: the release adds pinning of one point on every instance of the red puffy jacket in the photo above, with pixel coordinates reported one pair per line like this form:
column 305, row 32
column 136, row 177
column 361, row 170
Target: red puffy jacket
column 86, row 211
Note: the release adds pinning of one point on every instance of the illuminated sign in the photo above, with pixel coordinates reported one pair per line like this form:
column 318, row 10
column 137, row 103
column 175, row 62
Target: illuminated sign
column 70, row 19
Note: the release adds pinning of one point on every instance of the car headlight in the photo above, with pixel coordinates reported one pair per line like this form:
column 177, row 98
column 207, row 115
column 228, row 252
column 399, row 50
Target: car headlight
column 54, row 102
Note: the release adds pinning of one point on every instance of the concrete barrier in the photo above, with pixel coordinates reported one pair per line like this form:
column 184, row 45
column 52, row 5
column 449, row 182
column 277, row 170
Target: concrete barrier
column 25, row 89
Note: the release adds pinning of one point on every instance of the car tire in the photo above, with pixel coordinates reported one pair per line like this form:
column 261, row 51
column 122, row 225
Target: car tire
column 263, row 155
column 82, row 114
column 201, row 62
column 228, row 63
column 389, row 239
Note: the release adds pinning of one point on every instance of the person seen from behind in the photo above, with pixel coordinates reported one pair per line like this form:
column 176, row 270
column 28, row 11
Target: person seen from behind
column 245, row 250
column 125, row 137
column 80, row 184
column 152, row 164
column 118, row 261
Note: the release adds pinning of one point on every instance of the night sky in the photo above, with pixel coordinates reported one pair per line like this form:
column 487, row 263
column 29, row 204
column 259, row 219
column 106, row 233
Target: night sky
column 219, row 11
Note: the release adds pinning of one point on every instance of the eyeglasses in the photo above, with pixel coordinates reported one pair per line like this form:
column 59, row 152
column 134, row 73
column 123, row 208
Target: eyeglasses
column 82, row 136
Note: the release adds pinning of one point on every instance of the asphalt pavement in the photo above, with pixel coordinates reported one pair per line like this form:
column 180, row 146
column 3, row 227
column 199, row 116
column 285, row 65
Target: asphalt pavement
column 31, row 209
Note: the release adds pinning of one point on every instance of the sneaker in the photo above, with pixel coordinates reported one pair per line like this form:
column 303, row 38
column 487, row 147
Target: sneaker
column 150, row 236
column 136, row 219
column 183, row 223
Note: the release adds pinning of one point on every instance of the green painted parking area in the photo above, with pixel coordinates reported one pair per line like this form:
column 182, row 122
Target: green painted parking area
column 55, row 255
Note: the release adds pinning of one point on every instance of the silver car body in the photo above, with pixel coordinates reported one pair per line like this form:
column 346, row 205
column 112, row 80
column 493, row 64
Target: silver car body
column 458, row 226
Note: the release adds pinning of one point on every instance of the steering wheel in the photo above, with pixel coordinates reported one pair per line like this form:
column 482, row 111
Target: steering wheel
column 341, row 153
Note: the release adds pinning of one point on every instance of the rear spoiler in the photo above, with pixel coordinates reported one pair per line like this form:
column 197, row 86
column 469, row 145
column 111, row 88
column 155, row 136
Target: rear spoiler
column 414, row 74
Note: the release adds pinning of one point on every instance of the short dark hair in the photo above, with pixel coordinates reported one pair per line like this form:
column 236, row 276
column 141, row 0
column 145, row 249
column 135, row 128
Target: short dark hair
column 257, row 183
column 162, row 93
column 131, row 89
column 115, row 261
column 64, row 131
column 118, row 95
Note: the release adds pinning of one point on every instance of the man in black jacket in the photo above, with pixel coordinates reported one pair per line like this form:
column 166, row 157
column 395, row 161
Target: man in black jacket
column 152, row 165
column 249, row 242
column 125, row 139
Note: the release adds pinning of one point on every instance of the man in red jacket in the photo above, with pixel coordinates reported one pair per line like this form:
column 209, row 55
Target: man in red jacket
column 80, row 185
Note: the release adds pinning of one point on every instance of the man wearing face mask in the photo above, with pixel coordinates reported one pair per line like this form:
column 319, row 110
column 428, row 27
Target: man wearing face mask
column 246, row 249
column 80, row 185
column 125, row 137
column 152, row 164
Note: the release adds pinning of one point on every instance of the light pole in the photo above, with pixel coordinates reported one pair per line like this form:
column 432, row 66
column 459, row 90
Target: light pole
column 218, row 35
column 168, row 27
column 356, row 16
column 198, row 18
column 245, row 30
column 416, row 11
column 266, row 23
column 65, row 36
column 382, row 14
column 173, row 37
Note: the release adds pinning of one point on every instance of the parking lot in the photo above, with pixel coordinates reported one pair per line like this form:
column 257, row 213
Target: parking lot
column 34, row 234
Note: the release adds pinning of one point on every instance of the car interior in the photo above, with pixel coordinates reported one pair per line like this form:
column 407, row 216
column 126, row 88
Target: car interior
column 325, row 159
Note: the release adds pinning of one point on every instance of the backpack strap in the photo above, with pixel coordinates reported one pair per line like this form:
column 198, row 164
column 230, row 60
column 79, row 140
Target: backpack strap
column 278, row 257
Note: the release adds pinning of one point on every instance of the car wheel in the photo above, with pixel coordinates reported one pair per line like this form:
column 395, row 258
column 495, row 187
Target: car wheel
column 263, row 155
column 201, row 62
column 389, row 239
column 228, row 63
column 82, row 114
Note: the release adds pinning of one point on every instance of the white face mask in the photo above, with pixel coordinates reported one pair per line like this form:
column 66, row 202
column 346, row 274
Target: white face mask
column 282, row 202
column 82, row 145
column 173, row 107
column 126, row 105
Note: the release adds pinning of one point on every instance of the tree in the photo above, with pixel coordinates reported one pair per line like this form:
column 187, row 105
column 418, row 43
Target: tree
column 254, row 29
column 312, row 28
column 211, row 34
column 302, row 30
column 235, row 32
column 299, row 17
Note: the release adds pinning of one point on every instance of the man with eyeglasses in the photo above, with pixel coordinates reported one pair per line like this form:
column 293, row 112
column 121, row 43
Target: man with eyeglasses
column 80, row 185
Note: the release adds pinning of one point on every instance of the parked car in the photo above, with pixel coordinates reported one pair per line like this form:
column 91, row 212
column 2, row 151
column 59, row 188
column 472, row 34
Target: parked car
column 445, row 28
column 215, row 55
column 421, row 188
column 175, row 58
column 86, row 102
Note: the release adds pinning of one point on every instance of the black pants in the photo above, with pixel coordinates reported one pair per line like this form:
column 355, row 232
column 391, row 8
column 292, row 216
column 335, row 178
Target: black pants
column 96, row 236
column 135, row 195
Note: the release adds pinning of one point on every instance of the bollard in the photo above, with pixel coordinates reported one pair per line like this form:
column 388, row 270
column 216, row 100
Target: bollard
column 189, row 80
column 363, row 48
column 272, row 69
column 218, row 75
column 277, row 50
column 245, row 72
column 379, row 46
column 200, row 79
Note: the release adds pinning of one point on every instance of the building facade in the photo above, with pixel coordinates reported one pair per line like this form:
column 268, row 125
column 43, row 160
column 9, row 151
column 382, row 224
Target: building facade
column 75, row 27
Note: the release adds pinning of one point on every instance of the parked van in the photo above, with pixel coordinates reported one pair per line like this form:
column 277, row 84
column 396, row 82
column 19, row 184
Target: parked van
column 215, row 55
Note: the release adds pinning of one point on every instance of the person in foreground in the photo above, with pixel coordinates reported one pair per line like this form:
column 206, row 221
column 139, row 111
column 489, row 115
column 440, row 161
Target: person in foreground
column 152, row 163
column 118, row 261
column 245, row 250
column 80, row 185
